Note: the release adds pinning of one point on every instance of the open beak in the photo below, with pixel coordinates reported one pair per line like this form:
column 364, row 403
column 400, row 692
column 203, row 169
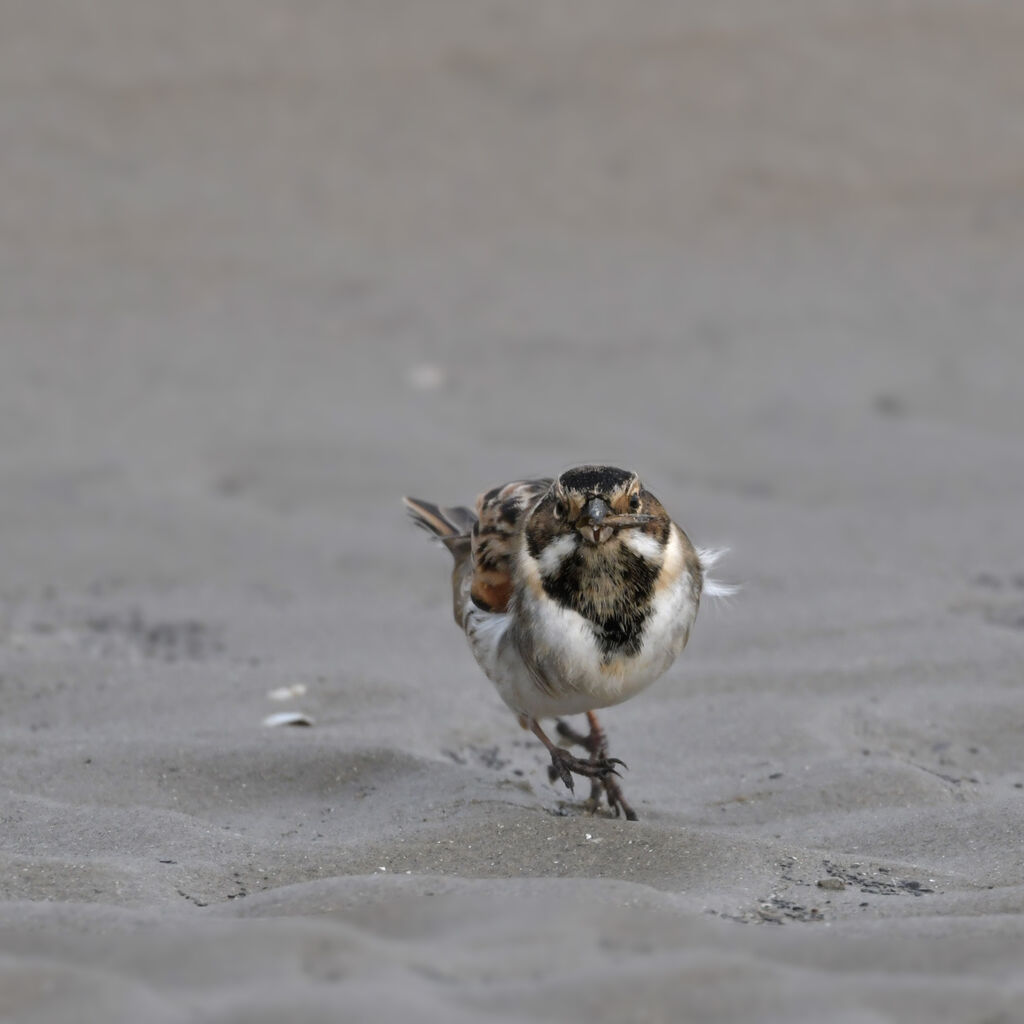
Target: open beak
column 597, row 522
column 593, row 519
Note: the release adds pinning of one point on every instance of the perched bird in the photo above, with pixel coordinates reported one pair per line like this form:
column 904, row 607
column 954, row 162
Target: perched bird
column 575, row 594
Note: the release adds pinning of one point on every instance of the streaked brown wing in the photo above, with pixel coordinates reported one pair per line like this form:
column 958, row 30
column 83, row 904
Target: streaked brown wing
column 500, row 515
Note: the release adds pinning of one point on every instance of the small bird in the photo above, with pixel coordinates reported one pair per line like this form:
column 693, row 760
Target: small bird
column 575, row 593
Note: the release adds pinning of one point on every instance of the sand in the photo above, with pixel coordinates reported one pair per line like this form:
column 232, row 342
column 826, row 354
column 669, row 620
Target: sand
column 268, row 266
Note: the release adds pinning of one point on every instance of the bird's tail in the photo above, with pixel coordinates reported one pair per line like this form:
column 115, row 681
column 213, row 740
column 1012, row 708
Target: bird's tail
column 451, row 526
column 714, row 587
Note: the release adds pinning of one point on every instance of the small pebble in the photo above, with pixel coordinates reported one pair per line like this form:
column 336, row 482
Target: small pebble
column 287, row 718
column 833, row 884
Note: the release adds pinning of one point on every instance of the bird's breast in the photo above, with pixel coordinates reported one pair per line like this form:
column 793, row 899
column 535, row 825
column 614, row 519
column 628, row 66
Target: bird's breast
column 604, row 661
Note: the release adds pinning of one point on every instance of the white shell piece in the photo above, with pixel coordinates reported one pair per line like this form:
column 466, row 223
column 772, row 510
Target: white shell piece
column 288, row 718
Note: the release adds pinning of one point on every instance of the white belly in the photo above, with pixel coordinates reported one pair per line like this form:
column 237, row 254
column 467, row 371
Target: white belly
column 564, row 670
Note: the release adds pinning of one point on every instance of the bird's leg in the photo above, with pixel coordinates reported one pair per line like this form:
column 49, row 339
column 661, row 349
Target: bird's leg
column 596, row 742
column 564, row 765
column 567, row 732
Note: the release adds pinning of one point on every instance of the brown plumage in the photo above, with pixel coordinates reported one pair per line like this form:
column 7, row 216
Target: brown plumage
column 488, row 537
column 499, row 516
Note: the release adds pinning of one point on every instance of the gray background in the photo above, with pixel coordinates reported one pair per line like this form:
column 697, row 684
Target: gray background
column 265, row 267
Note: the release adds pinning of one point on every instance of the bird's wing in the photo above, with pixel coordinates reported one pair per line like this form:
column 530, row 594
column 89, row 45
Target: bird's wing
column 501, row 513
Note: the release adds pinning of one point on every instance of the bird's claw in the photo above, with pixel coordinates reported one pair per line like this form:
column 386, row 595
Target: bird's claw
column 564, row 765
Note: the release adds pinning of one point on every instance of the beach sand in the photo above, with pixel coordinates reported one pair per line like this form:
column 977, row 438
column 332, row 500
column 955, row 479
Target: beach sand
column 267, row 267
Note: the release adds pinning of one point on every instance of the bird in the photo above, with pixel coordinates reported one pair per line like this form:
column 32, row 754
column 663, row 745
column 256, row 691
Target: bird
column 575, row 593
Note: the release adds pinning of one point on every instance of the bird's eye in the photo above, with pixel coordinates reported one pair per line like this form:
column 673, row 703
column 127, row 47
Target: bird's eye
column 560, row 510
column 634, row 502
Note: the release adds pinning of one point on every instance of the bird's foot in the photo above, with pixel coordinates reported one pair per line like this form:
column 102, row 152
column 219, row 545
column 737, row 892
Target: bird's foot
column 564, row 765
column 596, row 743
column 616, row 801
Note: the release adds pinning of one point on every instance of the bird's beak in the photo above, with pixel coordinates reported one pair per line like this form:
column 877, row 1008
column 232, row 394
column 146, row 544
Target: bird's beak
column 597, row 522
column 592, row 522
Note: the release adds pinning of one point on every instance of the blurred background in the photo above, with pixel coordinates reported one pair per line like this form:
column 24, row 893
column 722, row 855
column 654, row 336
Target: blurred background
column 267, row 266
column 270, row 247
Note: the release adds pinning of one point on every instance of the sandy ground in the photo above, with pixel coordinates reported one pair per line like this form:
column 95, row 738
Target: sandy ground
column 267, row 266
